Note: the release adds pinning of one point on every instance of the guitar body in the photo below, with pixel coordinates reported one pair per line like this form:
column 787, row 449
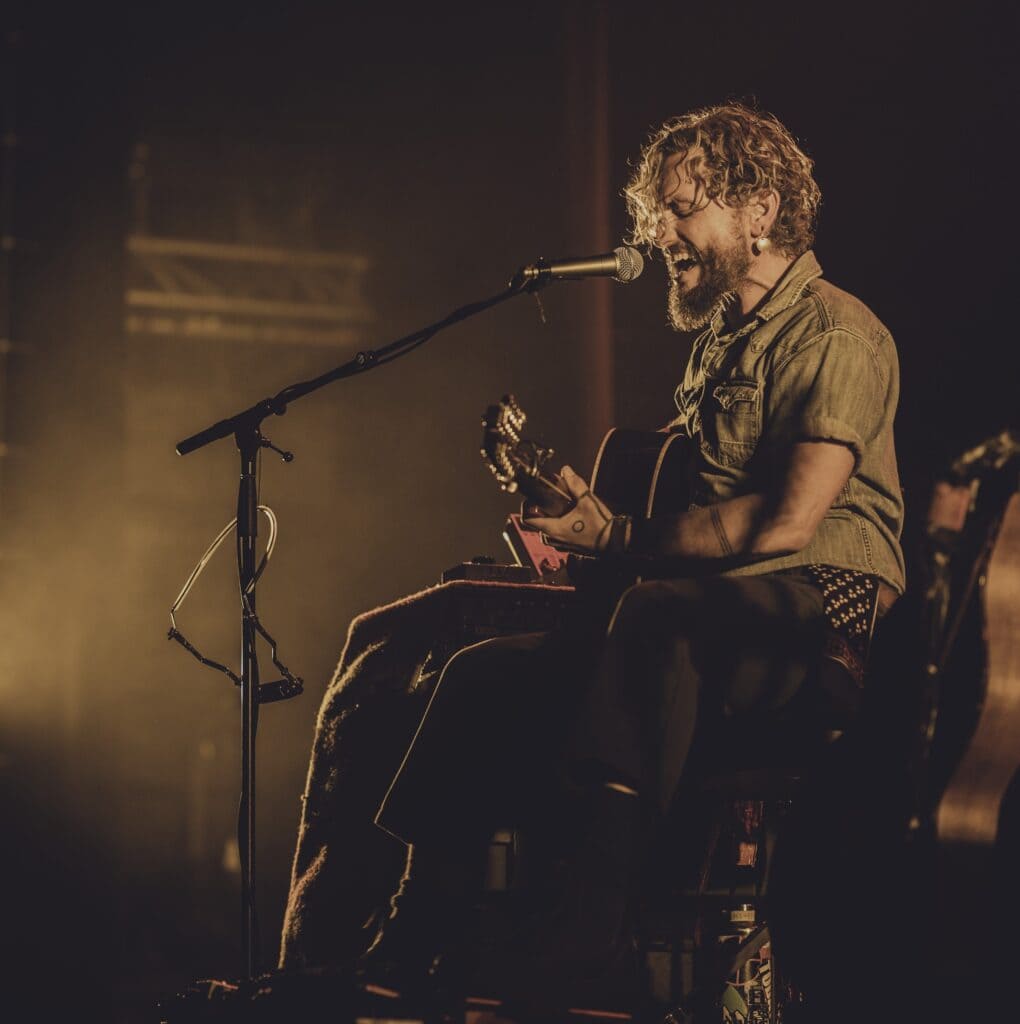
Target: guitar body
column 643, row 473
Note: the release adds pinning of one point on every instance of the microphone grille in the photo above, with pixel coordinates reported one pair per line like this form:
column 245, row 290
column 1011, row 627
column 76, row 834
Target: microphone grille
column 629, row 264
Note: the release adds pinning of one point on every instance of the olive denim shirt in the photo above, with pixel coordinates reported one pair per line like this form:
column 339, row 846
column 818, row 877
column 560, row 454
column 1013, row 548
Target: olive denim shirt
column 814, row 364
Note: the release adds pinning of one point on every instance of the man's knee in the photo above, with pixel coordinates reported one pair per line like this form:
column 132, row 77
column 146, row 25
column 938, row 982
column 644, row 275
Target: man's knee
column 478, row 672
column 653, row 603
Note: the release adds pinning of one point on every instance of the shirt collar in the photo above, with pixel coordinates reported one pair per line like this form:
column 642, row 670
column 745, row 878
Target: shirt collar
column 790, row 287
column 786, row 291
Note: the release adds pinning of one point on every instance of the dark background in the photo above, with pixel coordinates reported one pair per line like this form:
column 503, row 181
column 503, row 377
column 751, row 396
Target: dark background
column 447, row 145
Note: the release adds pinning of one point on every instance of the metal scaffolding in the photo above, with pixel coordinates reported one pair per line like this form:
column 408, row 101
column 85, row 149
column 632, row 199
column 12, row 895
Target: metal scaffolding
column 193, row 288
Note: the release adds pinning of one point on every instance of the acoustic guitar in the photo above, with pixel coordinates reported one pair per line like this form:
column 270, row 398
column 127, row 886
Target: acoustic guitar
column 637, row 472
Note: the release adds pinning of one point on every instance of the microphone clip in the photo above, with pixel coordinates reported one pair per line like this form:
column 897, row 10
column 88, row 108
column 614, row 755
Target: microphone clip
column 532, row 277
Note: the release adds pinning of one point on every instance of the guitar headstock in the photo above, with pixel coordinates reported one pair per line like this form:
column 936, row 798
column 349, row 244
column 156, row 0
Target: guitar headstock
column 516, row 463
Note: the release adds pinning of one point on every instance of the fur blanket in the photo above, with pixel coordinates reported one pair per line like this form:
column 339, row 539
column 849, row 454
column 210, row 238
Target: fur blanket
column 345, row 868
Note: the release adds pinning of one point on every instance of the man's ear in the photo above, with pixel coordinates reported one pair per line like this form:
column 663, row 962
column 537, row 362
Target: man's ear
column 764, row 208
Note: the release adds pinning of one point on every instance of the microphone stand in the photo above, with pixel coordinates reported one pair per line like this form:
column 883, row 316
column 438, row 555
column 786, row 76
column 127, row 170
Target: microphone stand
column 245, row 427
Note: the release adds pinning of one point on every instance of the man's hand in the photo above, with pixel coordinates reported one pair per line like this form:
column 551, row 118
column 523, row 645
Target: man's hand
column 586, row 526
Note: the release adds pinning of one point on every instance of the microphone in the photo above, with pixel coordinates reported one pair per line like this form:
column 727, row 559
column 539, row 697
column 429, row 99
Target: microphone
column 623, row 264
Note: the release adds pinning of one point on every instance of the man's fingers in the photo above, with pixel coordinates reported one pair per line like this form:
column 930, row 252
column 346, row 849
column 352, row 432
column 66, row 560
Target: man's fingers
column 579, row 490
column 581, row 527
column 576, row 485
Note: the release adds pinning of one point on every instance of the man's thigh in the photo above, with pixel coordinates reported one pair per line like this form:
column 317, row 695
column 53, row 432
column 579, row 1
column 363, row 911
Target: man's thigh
column 750, row 641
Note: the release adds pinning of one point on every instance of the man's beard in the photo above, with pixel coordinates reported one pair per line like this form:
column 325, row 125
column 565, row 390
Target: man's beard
column 722, row 270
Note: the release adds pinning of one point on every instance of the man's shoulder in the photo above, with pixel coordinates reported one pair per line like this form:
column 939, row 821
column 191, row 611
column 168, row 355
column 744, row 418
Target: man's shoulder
column 839, row 309
column 822, row 311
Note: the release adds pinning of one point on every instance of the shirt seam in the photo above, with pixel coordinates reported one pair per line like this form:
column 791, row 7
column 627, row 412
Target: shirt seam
column 862, row 528
column 823, row 310
column 850, row 333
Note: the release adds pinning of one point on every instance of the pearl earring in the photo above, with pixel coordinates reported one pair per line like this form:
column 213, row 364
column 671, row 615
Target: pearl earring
column 761, row 244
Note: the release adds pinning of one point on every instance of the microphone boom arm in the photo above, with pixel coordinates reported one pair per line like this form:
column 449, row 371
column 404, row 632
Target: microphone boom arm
column 366, row 360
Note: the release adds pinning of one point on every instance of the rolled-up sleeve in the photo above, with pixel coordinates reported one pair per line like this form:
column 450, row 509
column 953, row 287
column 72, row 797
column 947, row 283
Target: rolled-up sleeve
column 833, row 388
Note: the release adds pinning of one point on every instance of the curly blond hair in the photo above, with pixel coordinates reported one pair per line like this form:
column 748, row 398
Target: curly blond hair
column 736, row 153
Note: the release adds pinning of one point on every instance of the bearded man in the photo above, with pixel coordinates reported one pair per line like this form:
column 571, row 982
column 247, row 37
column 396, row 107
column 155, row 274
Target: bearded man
column 790, row 543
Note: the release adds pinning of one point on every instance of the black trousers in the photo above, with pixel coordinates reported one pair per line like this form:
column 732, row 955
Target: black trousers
column 679, row 662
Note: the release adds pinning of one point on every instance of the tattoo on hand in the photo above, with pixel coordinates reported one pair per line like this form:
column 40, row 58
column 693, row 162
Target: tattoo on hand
column 720, row 531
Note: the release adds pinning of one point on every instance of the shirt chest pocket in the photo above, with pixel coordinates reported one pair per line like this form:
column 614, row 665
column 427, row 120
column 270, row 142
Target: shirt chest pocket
column 731, row 420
